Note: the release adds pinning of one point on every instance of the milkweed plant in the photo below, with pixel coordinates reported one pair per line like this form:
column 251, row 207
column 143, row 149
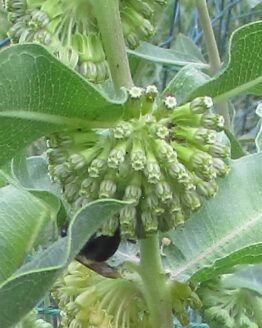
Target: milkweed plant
column 141, row 207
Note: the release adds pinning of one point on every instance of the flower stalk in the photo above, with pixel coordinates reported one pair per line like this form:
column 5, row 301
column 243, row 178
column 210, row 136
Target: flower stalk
column 154, row 283
column 212, row 49
column 109, row 22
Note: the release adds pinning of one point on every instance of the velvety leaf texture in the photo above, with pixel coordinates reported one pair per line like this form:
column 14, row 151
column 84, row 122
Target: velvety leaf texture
column 21, row 292
column 38, row 94
column 226, row 231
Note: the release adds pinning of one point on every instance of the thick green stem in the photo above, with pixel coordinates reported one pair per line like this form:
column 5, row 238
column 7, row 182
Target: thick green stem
column 110, row 27
column 212, row 50
column 154, row 283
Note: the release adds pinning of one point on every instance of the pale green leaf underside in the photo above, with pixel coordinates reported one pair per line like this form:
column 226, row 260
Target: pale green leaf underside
column 243, row 71
column 188, row 79
column 227, row 230
column 20, row 293
column 247, row 277
column 38, row 94
column 159, row 55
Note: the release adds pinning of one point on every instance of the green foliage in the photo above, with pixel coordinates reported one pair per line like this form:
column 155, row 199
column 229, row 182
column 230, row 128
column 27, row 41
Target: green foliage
column 38, row 95
column 29, row 283
column 178, row 56
column 241, row 74
column 214, row 240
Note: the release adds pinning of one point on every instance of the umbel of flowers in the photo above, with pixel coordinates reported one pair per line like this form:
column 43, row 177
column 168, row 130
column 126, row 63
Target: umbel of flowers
column 69, row 29
column 88, row 300
column 162, row 158
column 230, row 307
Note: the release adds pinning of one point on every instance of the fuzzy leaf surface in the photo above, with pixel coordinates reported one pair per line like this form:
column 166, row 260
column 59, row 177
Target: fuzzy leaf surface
column 39, row 94
column 21, row 292
column 227, row 230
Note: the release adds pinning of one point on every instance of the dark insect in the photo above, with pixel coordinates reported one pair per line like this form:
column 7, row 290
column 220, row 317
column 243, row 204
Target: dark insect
column 97, row 250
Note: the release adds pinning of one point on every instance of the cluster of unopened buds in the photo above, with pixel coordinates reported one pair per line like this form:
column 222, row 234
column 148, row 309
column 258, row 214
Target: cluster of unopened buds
column 88, row 300
column 69, row 29
column 230, row 307
column 162, row 158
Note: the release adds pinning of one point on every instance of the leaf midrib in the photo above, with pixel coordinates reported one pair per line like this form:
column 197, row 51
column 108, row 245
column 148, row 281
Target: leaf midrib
column 54, row 119
column 215, row 247
column 238, row 90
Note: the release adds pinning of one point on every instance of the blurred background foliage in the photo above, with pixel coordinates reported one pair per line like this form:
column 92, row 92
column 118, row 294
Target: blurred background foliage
column 181, row 17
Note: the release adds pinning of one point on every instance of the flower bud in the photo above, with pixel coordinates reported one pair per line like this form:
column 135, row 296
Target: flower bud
column 138, row 157
column 201, row 104
column 163, row 191
column 110, row 226
column 149, row 222
column 161, row 131
column 212, row 121
column 71, row 191
column 218, row 150
column 117, row 155
column 122, row 130
column 190, row 200
column 151, row 92
column 207, row 188
column 165, row 152
column 107, row 188
column 89, row 188
column 170, row 102
column 39, row 19
column 221, row 168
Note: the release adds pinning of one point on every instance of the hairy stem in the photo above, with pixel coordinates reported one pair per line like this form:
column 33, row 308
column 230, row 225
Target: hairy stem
column 154, row 283
column 109, row 22
column 212, row 50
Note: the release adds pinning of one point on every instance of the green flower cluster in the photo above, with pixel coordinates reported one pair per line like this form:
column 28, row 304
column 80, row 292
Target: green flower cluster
column 163, row 159
column 88, row 300
column 70, row 30
column 230, row 308
column 31, row 321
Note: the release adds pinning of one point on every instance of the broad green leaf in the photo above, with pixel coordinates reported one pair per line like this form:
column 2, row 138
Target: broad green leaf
column 226, row 231
column 166, row 56
column 188, row 79
column 247, row 277
column 22, row 217
column 242, row 73
column 20, row 293
column 38, row 95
